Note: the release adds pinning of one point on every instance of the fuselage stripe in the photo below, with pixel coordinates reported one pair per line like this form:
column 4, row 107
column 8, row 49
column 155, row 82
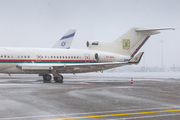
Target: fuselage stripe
column 43, row 61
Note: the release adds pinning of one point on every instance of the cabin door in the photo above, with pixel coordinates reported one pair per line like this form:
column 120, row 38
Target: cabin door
column 87, row 58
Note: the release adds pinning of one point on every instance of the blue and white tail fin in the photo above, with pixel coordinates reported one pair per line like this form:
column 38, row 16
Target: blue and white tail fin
column 66, row 40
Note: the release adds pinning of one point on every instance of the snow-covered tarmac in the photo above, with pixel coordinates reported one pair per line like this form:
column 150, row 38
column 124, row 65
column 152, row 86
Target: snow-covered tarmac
column 91, row 96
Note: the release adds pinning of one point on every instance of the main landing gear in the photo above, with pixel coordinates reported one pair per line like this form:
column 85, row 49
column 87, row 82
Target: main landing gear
column 47, row 78
column 58, row 79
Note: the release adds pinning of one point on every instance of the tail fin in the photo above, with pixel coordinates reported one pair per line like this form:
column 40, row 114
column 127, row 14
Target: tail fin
column 133, row 40
column 128, row 44
column 66, row 40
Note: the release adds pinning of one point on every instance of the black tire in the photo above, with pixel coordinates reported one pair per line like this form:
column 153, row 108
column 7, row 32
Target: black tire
column 47, row 78
column 58, row 79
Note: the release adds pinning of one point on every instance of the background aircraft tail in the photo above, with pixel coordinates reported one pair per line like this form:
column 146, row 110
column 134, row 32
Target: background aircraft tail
column 66, row 40
column 128, row 44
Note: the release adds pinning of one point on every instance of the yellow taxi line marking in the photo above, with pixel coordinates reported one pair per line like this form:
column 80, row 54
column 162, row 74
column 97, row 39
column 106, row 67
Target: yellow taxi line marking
column 96, row 116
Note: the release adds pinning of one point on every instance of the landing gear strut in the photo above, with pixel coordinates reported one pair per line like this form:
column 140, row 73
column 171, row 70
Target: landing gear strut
column 58, row 79
column 47, row 78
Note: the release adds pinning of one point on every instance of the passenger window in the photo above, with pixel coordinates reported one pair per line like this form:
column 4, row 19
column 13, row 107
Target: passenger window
column 38, row 56
column 4, row 56
column 45, row 56
column 69, row 57
column 51, row 56
column 54, row 56
column 11, row 56
column 28, row 56
column 74, row 57
column 63, row 57
column 66, row 56
column 21, row 56
column 41, row 56
column 8, row 56
column 18, row 56
column 48, row 56
column 57, row 57
column 24, row 56
column 77, row 57
column 1, row 56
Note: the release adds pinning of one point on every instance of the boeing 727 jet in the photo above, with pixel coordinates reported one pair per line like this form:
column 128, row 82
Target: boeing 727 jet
column 48, row 62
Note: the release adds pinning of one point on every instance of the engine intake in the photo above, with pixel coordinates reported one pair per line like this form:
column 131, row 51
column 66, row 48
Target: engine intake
column 96, row 56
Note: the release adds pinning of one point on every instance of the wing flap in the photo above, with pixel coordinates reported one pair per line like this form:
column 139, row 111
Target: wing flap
column 41, row 66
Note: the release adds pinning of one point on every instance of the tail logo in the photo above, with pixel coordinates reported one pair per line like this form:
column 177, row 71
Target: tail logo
column 95, row 43
column 63, row 43
column 126, row 44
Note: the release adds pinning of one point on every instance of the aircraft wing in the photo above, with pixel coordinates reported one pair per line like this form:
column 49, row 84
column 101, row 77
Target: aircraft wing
column 66, row 40
column 77, row 67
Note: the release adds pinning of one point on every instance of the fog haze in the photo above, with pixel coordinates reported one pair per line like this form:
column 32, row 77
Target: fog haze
column 41, row 23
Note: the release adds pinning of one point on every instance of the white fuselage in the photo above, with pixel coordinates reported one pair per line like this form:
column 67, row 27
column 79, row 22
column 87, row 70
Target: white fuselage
column 11, row 57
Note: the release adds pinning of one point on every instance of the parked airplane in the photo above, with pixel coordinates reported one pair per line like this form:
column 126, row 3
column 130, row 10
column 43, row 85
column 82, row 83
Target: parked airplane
column 66, row 40
column 99, row 57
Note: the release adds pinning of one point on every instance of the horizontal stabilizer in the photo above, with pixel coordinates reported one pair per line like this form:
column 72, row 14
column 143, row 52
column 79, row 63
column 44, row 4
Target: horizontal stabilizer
column 141, row 30
column 137, row 58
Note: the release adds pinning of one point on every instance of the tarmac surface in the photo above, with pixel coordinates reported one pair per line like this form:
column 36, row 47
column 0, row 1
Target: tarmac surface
column 90, row 97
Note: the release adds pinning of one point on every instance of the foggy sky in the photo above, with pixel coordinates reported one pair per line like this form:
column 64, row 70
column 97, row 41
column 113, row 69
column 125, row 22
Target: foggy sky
column 41, row 23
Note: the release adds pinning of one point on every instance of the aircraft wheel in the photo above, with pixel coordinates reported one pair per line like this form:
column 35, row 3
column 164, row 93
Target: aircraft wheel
column 47, row 78
column 58, row 79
